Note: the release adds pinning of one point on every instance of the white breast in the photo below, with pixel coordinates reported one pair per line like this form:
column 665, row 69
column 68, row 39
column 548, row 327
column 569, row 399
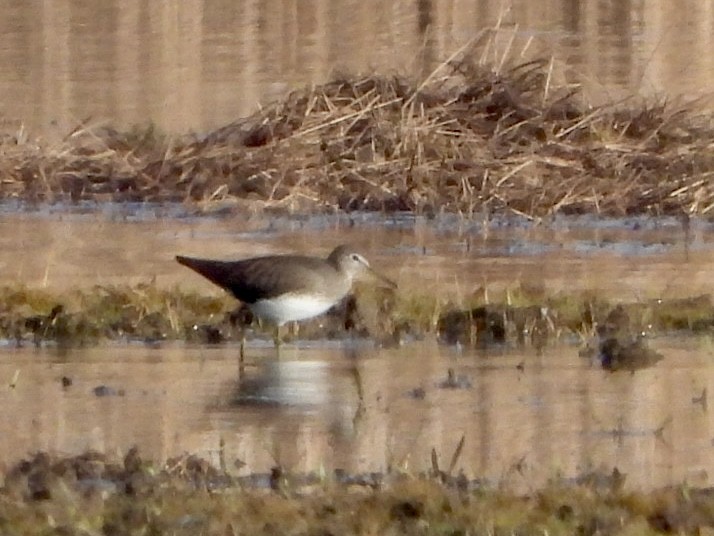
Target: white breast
column 291, row 307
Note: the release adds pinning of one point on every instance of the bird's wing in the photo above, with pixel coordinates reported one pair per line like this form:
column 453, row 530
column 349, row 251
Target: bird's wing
column 252, row 279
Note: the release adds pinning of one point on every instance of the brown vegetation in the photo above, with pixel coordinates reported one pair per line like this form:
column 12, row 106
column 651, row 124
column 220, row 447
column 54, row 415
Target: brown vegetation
column 151, row 314
column 91, row 494
column 471, row 138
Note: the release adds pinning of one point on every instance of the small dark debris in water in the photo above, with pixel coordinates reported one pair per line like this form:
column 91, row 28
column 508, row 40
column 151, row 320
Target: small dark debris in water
column 519, row 466
column 600, row 480
column 66, row 382
column 454, row 381
column 103, row 390
column 418, row 393
column 701, row 399
column 659, row 431
column 521, row 367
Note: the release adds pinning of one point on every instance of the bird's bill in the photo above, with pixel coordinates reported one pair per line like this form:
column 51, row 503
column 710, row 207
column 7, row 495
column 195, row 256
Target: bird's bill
column 383, row 278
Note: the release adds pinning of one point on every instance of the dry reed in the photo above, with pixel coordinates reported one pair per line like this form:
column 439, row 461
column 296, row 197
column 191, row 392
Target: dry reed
column 470, row 138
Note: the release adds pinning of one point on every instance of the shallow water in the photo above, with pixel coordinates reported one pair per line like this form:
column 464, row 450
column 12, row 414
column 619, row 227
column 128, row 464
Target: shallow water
column 630, row 259
column 351, row 405
column 364, row 409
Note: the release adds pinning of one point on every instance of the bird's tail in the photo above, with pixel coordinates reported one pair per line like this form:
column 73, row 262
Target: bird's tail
column 217, row 272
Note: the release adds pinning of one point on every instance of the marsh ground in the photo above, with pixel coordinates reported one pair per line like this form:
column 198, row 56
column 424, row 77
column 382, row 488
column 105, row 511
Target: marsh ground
column 504, row 278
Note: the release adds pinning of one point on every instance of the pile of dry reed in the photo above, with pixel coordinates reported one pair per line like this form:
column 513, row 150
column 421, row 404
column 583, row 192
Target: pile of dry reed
column 471, row 138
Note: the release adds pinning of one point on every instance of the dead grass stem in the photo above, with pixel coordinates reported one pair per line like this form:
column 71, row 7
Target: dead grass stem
column 483, row 131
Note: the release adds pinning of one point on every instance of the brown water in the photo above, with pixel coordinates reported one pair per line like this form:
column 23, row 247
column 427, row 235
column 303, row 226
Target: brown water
column 558, row 416
column 628, row 260
column 194, row 65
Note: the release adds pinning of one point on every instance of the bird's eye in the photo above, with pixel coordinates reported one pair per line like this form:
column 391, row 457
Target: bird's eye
column 355, row 257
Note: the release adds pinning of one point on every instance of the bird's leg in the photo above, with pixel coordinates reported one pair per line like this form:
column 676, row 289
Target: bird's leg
column 241, row 356
column 276, row 336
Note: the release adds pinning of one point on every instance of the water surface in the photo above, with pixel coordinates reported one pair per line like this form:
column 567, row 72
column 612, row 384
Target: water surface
column 524, row 419
column 626, row 259
column 193, row 65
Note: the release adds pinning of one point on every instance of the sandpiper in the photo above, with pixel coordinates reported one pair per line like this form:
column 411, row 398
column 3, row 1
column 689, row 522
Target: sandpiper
column 286, row 288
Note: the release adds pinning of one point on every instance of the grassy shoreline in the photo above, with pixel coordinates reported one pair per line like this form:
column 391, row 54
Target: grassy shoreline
column 91, row 494
column 150, row 313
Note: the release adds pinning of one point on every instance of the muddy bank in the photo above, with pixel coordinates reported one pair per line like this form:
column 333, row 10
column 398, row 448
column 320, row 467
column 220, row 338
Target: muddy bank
column 152, row 314
column 473, row 138
column 90, row 494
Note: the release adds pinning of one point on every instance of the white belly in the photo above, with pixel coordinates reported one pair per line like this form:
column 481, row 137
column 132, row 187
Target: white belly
column 291, row 307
